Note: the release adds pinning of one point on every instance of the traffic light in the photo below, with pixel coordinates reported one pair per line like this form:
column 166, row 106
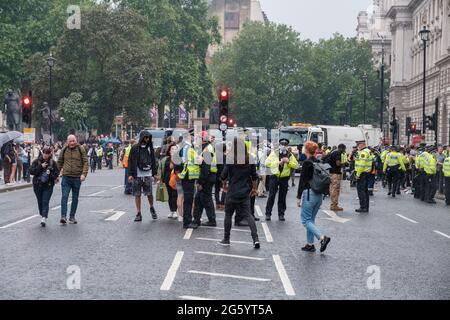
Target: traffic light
column 27, row 105
column 408, row 126
column 393, row 124
column 224, row 97
column 413, row 128
column 231, row 122
column 431, row 122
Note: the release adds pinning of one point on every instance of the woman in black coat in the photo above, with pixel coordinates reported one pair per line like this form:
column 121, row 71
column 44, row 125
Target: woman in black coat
column 45, row 174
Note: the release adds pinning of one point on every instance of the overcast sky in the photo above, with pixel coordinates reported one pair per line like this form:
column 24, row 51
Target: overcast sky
column 316, row 19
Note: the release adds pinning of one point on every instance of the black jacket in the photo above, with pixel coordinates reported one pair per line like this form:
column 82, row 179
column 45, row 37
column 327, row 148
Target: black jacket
column 305, row 176
column 134, row 155
column 37, row 170
column 205, row 168
column 238, row 177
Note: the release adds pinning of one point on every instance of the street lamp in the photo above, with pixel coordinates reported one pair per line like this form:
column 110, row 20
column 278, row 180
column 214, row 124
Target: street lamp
column 425, row 37
column 51, row 63
column 365, row 95
column 350, row 108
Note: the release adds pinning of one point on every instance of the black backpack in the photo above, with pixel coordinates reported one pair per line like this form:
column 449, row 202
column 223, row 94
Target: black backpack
column 321, row 180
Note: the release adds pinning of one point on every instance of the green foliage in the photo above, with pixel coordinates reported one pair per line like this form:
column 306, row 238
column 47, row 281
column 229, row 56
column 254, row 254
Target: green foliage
column 277, row 78
column 73, row 113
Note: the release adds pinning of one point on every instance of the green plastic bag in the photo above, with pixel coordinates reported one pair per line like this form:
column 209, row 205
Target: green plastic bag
column 161, row 193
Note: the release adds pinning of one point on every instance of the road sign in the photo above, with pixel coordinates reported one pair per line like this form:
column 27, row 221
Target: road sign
column 29, row 135
column 223, row 127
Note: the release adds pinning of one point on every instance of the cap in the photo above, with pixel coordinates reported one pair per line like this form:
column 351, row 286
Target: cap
column 360, row 141
column 284, row 141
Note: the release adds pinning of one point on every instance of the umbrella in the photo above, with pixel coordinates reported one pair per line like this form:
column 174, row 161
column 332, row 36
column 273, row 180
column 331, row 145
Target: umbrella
column 8, row 136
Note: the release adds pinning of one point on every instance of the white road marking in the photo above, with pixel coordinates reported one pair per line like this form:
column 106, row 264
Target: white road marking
column 116, row 216
column 334, row 217
column 97, row 193
column 188, row 234
column 258, row 211
column 114, row 188
column 193, row 298
column 217, row 240
column 407, row 219
column 442, row 234
column 283, row 276
column 20, row 221
column 229, row 276
column 267, row 232
column 219, row 228
column 59, row 207
column 170, row 277
column 230, row 255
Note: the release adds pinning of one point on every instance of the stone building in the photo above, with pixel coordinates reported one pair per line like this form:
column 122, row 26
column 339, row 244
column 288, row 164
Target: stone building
column 406, row 18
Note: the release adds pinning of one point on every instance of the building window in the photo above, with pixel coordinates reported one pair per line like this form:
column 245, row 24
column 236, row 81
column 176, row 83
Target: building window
column 232, row 20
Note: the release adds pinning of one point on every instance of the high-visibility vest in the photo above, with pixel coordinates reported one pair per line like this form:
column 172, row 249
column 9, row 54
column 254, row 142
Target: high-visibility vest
column 273, row 162
column 126, row 156
column 363, row 162
column 344, row 158
column 210, row 149
column 429, row 164
column 190, row 167
column 394, row 159
column 383, row 155
column 100, row 152
column 446, row 167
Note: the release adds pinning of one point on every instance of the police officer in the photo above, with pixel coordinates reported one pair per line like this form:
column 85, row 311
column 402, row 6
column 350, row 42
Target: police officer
column 100, row 156
column 203, row 197
column 280, row 162
column 430, row 169
column 419, row 177
column 393, row 166
column 188, row 176
column 363, row 167
column 446, row 169
column 125, row 158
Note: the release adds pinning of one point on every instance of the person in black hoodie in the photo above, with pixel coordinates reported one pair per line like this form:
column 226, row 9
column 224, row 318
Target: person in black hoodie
column 141, row 171
column 45, row 174
column 237, row 175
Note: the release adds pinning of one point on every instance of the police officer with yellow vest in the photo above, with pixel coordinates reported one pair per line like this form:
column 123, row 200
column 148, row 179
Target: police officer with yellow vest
column 429, row 165
column 205, row 183
column 363, row 168
column 125, row 158
column 446, row 169
column 280, row 162
column 100, row 157
column 393, row 166
column 188, row 176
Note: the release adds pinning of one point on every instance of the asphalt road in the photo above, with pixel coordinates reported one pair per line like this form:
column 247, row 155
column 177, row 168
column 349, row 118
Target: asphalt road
column 402, row 240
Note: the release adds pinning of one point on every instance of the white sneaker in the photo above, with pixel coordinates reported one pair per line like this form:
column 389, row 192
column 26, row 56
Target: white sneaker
column 170, row 215
column 43, row 222
column 180, row 219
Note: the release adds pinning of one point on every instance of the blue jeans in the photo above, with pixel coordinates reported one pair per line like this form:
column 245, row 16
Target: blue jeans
column 43, row 195
column 308, row 214
column 68, row 184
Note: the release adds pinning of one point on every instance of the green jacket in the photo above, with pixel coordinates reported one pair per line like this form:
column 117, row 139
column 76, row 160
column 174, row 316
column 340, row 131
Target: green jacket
column 73, row 162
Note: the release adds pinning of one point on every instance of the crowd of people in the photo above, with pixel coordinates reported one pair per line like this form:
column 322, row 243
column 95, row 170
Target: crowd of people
column 191, row 180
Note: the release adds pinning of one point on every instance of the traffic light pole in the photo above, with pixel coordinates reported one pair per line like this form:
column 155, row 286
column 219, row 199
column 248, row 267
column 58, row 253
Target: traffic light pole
column 50, row 107
column 424, row 123
column 382, row 90
column 436, row 121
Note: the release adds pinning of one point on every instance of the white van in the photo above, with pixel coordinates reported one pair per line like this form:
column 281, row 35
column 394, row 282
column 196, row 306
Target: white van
column 335, row 135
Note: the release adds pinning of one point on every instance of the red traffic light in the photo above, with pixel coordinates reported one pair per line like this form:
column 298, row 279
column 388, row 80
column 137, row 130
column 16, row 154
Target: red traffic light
column 224, row 94
column 413, row 126
column 26, row 102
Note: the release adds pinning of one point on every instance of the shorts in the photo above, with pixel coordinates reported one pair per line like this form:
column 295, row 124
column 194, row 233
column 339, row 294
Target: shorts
column 179, row 188
column 142, row 185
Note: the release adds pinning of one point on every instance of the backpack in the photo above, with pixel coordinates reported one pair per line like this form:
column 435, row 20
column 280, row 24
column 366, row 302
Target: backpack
column 321, row 180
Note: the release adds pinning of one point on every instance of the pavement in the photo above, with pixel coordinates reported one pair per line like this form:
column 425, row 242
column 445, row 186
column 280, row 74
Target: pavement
column 400, row 250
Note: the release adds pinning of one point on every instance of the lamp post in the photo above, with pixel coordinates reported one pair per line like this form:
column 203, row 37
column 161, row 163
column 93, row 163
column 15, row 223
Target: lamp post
column 425, row 37
column 365, row 96
column 382, row 85
column 141, row 82
column 50, row 62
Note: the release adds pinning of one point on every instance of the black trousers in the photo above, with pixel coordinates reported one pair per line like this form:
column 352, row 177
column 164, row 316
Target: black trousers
column 189, row 191
column 362, row 186
column 99, row 162
column 417, row 184
column 238, row 218
column 447, row 190
column 393, row 179
column 242, row 208
column 430, row 186
column 204, row 200
column 276, row 185
column 173, row 195
column 43, row 196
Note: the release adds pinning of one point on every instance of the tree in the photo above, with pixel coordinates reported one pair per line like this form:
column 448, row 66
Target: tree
column 73, row 113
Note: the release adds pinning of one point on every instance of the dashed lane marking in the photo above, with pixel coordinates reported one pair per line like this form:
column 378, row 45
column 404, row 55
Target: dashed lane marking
column 217, row 240
column 223, row 275
column 258, row 211
column 283, row 276
column 334, row 217
column 116, row 216
column 230, row 255
column 114, row 188
column 219, row 228
column 20, row 221
column 442, row 234
column 267, row 232
column 170, row 277
column 188, row 234
column 96, row 193
column 407, row 219
column 59, row 207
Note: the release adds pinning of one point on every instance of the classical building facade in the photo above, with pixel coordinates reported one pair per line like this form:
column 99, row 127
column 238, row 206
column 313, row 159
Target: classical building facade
column 406, row 18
